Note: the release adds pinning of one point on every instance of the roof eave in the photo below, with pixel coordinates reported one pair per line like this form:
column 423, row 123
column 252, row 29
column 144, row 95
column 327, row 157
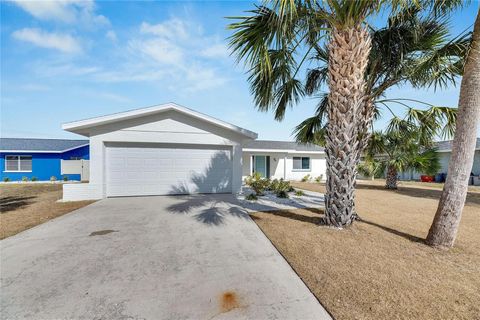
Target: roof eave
column 283, row 150
column 44, row 151
column 80, row 126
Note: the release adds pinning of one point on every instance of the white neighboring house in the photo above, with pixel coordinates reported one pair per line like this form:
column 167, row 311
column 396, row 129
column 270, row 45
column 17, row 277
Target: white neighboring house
column 444, row 148
column 283, row 159
column 170, row 149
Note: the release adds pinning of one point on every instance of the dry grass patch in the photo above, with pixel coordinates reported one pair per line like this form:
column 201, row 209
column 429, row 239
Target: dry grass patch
column 23, row 206
column 380, row 268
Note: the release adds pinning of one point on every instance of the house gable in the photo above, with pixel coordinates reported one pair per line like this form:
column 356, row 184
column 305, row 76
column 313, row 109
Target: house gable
column 147, row 119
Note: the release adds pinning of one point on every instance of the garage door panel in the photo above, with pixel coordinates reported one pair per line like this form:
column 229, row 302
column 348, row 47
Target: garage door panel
column 159, row 171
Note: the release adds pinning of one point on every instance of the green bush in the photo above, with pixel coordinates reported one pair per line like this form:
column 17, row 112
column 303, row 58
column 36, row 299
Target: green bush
column 299, row 193
column 34, row 178
column 282, row 188
column 257, row 183
column 6, row 179
column 280, row 185
column 53, row 178
column 251, row 197
column 65, row 178
column 306, row 178
column 319, row 178
column 282, row 194
column 24, row 179
column 273, row 185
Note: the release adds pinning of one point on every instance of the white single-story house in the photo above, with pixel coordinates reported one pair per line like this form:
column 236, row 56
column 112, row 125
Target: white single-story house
column 170, row 149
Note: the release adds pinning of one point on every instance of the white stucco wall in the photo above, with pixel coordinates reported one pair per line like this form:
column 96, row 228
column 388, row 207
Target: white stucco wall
column 281, row 165
column 169, row 129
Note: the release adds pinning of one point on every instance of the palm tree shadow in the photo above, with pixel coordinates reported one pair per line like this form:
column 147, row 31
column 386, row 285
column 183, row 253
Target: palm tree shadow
column 317, row 219
column 472, row 198
column 207, row 195
column 13, row 203
column 393, row 231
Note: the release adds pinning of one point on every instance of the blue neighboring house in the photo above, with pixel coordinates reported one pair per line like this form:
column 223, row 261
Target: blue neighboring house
column 40, row 158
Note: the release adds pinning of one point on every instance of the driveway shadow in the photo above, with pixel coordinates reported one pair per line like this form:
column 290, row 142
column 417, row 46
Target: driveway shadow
column 210, row 209
column 14, row 203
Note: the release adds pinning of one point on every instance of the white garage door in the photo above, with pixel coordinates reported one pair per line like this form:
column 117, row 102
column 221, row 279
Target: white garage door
column 139, row 170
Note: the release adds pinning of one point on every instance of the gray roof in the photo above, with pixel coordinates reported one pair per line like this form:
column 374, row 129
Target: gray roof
column 447, row 145
column 281, row 145
column 29, row 144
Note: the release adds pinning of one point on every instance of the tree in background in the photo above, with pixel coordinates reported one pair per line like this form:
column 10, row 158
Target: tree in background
column 444, row 228
column 400, row 148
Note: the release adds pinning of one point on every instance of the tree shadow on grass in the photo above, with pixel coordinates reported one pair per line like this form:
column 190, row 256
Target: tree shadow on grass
column 14, row 203
column 214, row 203
column 472, row 198
column 289, row 214
column 393, row 231
column 318, row 220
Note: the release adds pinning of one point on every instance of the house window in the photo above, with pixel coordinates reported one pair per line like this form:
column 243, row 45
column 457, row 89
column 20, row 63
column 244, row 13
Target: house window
column 301, row 163
column 18, row 163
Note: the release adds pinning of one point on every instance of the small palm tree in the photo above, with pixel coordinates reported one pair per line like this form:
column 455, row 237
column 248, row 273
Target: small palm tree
column 395, row 151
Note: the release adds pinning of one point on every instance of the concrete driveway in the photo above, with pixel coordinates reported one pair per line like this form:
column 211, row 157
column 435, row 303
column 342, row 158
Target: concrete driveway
column 178, row 257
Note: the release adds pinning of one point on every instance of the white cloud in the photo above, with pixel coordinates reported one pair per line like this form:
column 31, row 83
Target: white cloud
column 46, row 68
column 215, row 51
column 175, row 54
column 111, row 35
column 171, row 50
column 173, row 29
column 161, row 50
column 62, row 42
column 67, row 11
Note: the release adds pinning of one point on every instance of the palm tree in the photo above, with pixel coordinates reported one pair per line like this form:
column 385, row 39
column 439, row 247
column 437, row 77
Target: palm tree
column 444, row 228
column 412, row 49
column 402, row 147
column 277, row 39
column 273, row 38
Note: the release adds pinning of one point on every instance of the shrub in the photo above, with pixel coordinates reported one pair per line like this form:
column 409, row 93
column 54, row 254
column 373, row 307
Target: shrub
column 282, row 194
column 65, row 178
column 257, row 183
column 319, row 178
column 273, row 185
column 6, row 179
column 306, row 178
column 282, row 188
column 24, row 179
column 299, row 193
column 34, row 178
column 53, row 178
column 251, row 197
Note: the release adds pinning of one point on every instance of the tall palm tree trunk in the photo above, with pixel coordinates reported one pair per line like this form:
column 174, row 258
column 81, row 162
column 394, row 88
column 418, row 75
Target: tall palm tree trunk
column 348, row 58
column 447, row 218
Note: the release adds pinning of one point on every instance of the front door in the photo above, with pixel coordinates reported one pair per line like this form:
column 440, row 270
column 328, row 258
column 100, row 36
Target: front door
column 261, row 165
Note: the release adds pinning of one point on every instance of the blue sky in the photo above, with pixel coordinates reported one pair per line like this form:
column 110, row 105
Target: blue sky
column 68, row 60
